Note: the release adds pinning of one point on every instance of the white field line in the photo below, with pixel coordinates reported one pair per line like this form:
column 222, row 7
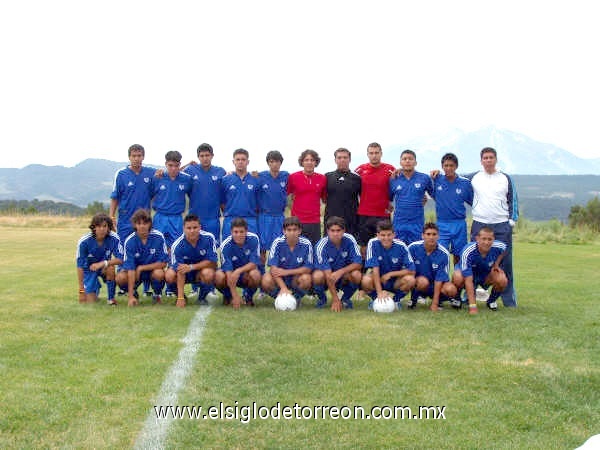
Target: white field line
column 155, row 431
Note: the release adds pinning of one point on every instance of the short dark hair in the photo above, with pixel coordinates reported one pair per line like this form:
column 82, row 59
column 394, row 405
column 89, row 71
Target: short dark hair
column 136, row 148
column 309, row 152
column 487, row 150
column 335, row 220
column 430, row 226
column 487, row 230
column 450, row 157
column 191, row 218
column 241, row 151
column 274, row 155
column 374, row 145
column 173, row 155
column 342, row 150
column 239, row 222
column 292, row 221
column 204, row 148
column 141, row 215
column 384, row 225
column 408, row 152
column 99, row 219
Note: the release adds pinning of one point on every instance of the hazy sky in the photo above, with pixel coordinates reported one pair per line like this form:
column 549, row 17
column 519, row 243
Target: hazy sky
column 83, row 79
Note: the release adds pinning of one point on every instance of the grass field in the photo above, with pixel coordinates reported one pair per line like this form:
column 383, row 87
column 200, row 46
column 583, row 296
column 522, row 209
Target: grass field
column 87, row 376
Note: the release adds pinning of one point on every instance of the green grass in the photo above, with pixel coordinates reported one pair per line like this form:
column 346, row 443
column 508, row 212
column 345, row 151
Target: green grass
column 84, row 376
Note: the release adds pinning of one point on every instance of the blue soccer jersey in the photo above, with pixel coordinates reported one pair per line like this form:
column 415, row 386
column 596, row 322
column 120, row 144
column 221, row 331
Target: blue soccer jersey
column 205, row 197
column 272, row 193
column 183, row 252
column 283, row 257
column 472, row 263
column 169, row 195
column 138, row 254
column 234, row 256
column 132, row 192
column 407, row 195
column 239, row 195
column 392, row 259
column 329, row 257
column 451, row 196
column 89, row 252
column 435, row 266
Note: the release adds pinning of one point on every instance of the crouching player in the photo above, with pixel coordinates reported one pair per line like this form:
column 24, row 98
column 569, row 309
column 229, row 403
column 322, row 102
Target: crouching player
column 240, row 261
column 392, row 268
column 145, row 258
column 338, row 263
column 290, row 263
column 193, row 259
column 480, row 266
column 432, row 262
column 98, row 252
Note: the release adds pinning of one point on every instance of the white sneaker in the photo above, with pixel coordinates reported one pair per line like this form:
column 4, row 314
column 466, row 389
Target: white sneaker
column 421, row 300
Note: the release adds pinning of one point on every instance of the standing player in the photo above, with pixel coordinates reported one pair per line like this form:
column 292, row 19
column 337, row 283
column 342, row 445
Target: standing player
column 290, row 263
column 132, row 190
column 432, row 265
column 308, row 188
column 98, row 252
column 374, row 203
column 193, row 260
column 338, row 263
column 272, row 200
column 343, row 191
column 145, row 258
column 169, row 198
column 392, row 268
column 239, row 194
column 495, row 205
column 450, row 193
column 480, row 266
column 408, row 191
column 205, row 197
column 240, row 262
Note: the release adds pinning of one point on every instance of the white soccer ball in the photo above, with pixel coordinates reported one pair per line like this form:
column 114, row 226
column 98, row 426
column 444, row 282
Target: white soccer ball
column 384, row 305
column 481, row 294
column 212, row 298
column 285, row 302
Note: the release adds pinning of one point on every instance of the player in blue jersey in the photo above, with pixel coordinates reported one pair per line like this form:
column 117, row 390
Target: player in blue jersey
column 170, row 190
column 205, row 197
column 338, row 264
column 239, row 194
column 98, row 252
column 272, row 200
column 432, row 265
column 392, row 271
column 145, row 258
column 408, row 192
column 290, row 263
column 480, row 266
column 451, row 192
column 240, row 263
column 193, row 259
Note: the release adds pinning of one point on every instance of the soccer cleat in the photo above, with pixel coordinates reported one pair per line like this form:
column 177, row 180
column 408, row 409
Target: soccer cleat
column 348, row 304
column 156, row 300
column 122, row 292
column 421, row 300
column 411, row 304
column 492, row 305
column 112, row 302
column 170, row 294
column 455, row 303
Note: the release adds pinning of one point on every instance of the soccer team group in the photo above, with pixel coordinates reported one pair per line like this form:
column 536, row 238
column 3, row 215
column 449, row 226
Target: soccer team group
column 375, row 236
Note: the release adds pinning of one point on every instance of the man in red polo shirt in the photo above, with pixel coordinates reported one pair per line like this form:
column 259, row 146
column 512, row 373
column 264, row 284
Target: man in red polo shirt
column 308, row 188
column 374, row 197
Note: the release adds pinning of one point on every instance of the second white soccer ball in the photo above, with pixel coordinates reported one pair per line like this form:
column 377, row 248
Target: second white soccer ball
column 285, row 302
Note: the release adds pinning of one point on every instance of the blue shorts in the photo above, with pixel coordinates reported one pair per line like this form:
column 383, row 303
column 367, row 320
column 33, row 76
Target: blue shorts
column 252, row 225
column 213, row 226
column 91, row 281
column 190, row 277
column 409, row 232
column 170, row 225
column 453, row 235
column 269, row 228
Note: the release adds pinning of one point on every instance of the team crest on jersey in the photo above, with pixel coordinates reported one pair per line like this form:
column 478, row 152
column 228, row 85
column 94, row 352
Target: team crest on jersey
column 250, row 187
column 282, row 184
column 232, row 188
column 330, row 260
column 215, row 178
column 299, row 259
column 234, row 258
column 265, row 186
column 162, row 187
column 380, row 258
column 247, row 252
column 181, row 187
column 458, row 190
column 394, row 260
column 344, row 254
column 418, row 185
column 491, row 263
column 435, row 266
column 130, row 183
column 283, row 259
column 195, row 177
column 107, row 253
column 440, row 188
column 399, row 188
column 202, row 252
column 152, row 251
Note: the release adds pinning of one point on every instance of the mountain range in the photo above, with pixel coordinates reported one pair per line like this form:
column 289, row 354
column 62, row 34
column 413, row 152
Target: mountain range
column 548, row 194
